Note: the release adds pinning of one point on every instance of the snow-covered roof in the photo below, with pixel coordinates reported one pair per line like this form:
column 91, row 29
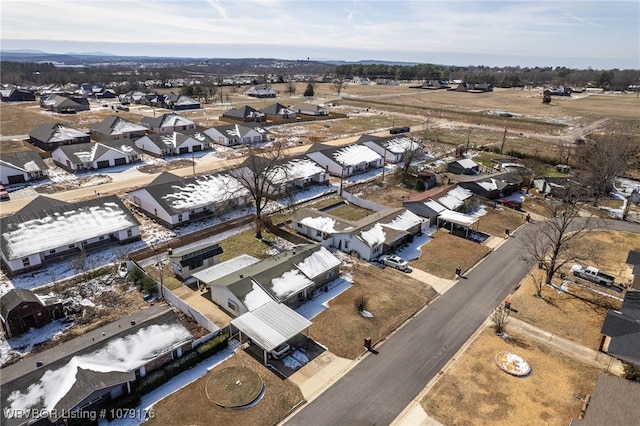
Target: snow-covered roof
column 450, row 202
column 401, row 145
column 467, row 163
column 271, row 325
column 489, row 185
column 205, row 190
column 289, row 283
column 435, row 206
column 64, row 133
column 460, row 193
column 300, row 168
column 355, row 154
column 228, row 267
column 256, row 297
column 321, row 223
column 374, row 235
column 457, row 217
column 318, row 263
column 23, row 235
column 406, row 220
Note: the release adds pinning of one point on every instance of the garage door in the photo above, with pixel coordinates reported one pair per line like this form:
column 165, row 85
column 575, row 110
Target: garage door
column 103, row 164
column 184, row 150
column 120, row 161
column 197, row 148
column 16, row 179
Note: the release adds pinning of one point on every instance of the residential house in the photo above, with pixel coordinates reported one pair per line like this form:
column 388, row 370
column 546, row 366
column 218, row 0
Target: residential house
column 556, row 185
column 244, row 114
column 132, row 97
column 81, row 376
column 175, row 201
column 306, row 108
column 46, row 230
column 22, row 166
column 345, row 161
column 260, row 91
column 99, row 155
column 465, row 166
column 621, row 330
column 236, row 134
column 394, row 149
column 50, row 136
column 290, row 278
column 481, row 87
column 180, row 102
column 21, row 310
column 168, row 123
column 431, row 203
column 175, row 143
column 381, row 232
column 184, row 263
column 17, row 95
column 64, row 104
column 493, row 186
column 633, row 260
column 115, row 127
column 279, row 112
column 604, row 409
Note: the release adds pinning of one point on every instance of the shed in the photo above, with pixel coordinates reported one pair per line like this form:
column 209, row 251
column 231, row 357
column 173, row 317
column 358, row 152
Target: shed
column 21, row 310
column 185, row 262
column 465, row 166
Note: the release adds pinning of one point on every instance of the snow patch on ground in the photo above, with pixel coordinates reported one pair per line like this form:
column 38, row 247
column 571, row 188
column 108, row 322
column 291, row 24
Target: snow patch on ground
column 22, row 345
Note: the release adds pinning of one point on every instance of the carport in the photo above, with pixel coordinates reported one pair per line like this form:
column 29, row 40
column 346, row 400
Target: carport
column 457, row 218
column 269, row 326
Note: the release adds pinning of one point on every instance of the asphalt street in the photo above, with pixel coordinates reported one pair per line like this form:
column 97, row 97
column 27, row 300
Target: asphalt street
column 379, row 387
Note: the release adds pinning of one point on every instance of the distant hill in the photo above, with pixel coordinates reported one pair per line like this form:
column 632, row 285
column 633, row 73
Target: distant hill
column 366, row 62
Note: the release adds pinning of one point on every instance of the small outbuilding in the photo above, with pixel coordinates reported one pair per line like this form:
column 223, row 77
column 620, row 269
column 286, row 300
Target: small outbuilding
column 21, row 310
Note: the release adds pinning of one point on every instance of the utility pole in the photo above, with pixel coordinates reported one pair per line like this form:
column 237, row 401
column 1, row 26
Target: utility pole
column 504, row 139
column 468, row 139
column 193, row 163
column 384, row 160
column 341, row 178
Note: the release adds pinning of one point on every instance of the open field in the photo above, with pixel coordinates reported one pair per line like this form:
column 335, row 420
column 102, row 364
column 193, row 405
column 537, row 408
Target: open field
column 475, row 391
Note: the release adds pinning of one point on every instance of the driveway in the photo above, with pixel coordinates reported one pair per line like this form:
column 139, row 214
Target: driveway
column 378, row 388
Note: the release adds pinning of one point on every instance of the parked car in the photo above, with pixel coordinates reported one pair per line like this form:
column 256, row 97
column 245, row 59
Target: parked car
column 394, row 261
column 280, row 352
column 512, row 204
column 592, row 274
column 4, row 194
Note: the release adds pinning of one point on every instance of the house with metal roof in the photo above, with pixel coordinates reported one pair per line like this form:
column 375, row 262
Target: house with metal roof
column 381, row 232
column 50, row 136
column 236, row 134
column 244, row 114
column 21, row 310
column 79, row 377
column 465, row 166
column 175, row 143
column 289, row 278
column 46, row 230
column 393, row 149
column 184, row 263
column 168, row 123
column 175, row 201
column 116, row 127
column 345, row 161
column 96, row 155
column 22, row 166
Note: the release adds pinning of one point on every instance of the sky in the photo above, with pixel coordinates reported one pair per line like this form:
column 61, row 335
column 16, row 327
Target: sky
column 577, row 34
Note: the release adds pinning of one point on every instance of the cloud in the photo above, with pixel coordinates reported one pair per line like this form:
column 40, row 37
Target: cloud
column 218, row 7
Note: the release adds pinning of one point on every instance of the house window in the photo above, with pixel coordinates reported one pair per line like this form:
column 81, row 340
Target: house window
column 318, row 233
column 299, row 225
column 175, row 354
column 25, row 262
column 137, row 373
column 179, row 218
column 331, row 273
column 129, row 233
column 71, row 246
column 51, row 251
column 232, row 306
column 101, row 237
column 346, row 244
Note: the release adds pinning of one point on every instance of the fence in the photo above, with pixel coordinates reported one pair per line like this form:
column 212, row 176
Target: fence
column 360, row 202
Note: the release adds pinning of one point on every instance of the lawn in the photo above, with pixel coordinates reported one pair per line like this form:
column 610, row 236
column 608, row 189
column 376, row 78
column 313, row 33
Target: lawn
column 475, row 391
column 445, row 252
column 350, row 212
column 392, row 297
column 389, row 195
column 191, row 406
column 497, row 220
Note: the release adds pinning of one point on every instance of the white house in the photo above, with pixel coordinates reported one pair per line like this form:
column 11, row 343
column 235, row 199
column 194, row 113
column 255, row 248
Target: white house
column 345, row 161
column 168, row 123
column 175, row 143
column 47, row 229
column 99, row 155
column 310, row 109
column 20, row 167
column 393, row 148
column 176, row 201
column 236, row 134
column 370, row 237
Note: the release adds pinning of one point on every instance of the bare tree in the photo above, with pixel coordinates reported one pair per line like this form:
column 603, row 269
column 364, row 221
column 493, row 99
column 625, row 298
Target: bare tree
column 290, row 87
column 338, row 84
column 500, row 318
column 555, row 242
column 264, row 176
column 603, row 158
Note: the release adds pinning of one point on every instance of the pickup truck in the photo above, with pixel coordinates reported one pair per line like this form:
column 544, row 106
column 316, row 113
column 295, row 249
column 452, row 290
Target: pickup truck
column 592, row 274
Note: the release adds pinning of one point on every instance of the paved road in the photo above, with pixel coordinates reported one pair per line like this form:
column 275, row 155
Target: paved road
column 377, row 390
